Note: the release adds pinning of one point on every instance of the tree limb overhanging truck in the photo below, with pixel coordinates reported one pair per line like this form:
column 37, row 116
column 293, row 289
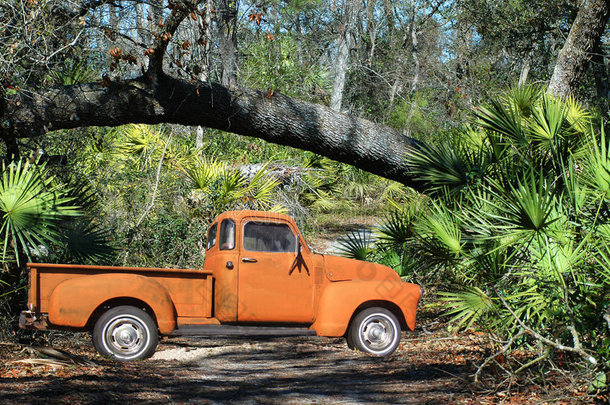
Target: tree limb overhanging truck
column 259, row 279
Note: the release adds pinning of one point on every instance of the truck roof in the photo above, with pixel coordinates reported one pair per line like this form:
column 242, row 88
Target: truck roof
column 239, row 214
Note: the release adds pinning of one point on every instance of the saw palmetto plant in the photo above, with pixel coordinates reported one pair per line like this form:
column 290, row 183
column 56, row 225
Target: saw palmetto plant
column 216, row 186
column 32, row 209
column 527, row 236
column 40, row 213
column 517, row 225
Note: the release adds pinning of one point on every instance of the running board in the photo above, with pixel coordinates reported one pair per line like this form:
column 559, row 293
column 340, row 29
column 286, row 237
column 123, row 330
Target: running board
column 232, row 330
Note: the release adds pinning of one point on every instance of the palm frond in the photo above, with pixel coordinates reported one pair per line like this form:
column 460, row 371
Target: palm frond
column 88, row 242
column 447, row 166
column 31, row 208
column 467, row 306
column 527, row 206
column 262, row 187
column 578, row 117
column 204, row 172
column 548, row 124
column 397, row 228
column 504, row 127
column 523, row 98
column 442, row 226
column 597, row 169
column 356, row 245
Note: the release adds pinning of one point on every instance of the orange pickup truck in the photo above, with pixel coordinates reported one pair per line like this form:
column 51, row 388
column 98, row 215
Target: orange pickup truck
column 259, row 279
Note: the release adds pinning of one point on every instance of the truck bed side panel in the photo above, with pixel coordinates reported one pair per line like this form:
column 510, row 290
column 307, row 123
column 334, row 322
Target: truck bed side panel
column 189, row 291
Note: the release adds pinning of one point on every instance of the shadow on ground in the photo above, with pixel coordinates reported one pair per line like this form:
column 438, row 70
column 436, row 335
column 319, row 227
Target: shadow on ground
column 292, row 370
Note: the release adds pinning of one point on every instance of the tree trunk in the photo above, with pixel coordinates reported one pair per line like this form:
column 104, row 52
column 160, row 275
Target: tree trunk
column 414, row 50
column 277, row 119
column 576, row 54
column 347, row 35
column 600, row 73
column 226, row 14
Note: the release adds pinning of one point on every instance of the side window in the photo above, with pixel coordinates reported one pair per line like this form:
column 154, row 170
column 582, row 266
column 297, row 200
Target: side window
column 227, row 235
column 212, row 236
column 269, row 237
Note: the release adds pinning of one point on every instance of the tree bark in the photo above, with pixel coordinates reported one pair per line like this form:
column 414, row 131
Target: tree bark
column 347, row 35
column 600, row 73
column 577, row 52
column 226, row 14
column 278, row 119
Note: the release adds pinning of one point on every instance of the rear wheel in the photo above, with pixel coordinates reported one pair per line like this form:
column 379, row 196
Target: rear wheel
column 374, row 330
column 125, row 333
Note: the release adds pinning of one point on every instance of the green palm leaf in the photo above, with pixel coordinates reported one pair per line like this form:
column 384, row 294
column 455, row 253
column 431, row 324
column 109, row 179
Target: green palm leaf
column 31, row 208
column 597, row 169
column 356, row 245
column 549, row 122
column 398, row 227
column 448, row 167
column 523, row 98
column 504, row 127
column 442, row 226
column 467, row 306
column 204, row 172
column 88, row 242
column 262, row 187
column 527, row 206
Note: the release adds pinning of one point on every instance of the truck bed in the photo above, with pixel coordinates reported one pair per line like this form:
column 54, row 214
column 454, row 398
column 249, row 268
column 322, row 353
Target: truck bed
column 190, row 289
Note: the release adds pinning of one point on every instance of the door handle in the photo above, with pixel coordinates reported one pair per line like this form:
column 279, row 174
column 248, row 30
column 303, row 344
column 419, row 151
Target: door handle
column 230, row 265
column 248, row 260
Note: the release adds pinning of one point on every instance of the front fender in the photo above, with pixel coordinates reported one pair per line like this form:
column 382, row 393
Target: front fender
column 340, row 300
column 73, row 301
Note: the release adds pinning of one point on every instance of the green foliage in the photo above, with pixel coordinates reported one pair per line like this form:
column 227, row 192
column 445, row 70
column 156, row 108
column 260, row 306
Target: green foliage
column 86, row 242
column 527, row 231
column 72, row 72
column 274, row 63
column 357, row 245
column 32, row 208
column 467, row 306
column 516, row 227
column 216, row 187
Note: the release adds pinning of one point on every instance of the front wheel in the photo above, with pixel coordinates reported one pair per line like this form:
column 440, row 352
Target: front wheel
column 374, row 330
column 125, row 333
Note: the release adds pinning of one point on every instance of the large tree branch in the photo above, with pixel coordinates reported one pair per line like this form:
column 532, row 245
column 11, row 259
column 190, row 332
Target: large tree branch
column 275, row 118
column 179, row 12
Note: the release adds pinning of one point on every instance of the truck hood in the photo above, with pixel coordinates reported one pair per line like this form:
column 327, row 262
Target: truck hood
column 343, row 269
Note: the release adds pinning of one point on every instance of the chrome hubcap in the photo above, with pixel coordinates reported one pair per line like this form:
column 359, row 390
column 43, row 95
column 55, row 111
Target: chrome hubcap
column 377, row 332
column 125, row 335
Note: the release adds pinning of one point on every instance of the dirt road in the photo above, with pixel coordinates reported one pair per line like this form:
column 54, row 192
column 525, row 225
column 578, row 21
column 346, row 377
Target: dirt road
column 430, row 367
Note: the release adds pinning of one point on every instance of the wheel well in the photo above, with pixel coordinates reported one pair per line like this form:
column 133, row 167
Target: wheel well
column 390, row 306
column 115, row 302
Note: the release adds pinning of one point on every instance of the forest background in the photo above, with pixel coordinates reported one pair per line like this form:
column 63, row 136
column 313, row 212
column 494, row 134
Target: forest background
column 485, row 119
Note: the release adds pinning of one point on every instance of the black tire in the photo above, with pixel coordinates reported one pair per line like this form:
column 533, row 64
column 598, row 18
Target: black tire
column 125, row 333
column 349, row 340
column 374, row 330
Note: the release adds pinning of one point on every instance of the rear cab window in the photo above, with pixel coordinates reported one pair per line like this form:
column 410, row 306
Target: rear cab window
column 227, row 235
column 275, row 237
column 212, row 236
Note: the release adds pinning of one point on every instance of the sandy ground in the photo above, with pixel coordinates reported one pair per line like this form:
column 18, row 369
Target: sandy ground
column 430, row 366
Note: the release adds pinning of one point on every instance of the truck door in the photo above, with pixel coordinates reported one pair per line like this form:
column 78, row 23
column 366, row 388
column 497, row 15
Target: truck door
column 223, row 256
column 275, row 284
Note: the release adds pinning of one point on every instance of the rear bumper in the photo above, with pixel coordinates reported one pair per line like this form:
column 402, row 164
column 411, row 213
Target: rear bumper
column 32, row 320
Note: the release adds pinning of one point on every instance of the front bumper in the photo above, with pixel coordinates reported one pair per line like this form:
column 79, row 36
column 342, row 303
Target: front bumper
column 32, row 320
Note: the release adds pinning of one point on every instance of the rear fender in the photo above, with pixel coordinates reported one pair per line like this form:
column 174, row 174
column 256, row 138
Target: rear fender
column 340, row 300
column 73, row 301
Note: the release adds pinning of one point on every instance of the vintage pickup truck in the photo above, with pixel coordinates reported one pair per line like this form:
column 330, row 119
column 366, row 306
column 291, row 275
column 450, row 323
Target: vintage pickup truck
column 259, row 279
